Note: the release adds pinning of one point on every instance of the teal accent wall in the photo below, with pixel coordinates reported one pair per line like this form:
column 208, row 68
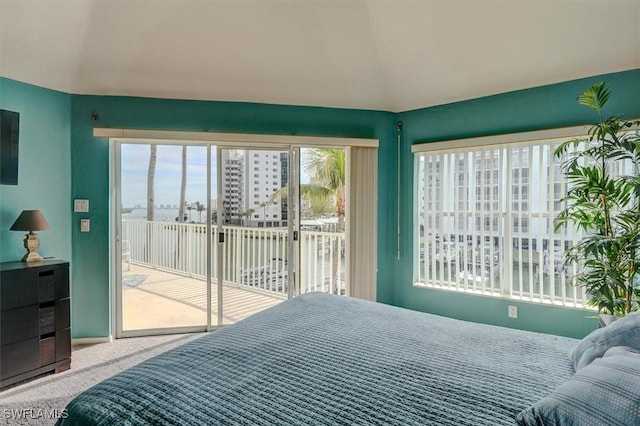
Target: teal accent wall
column 90, row 160
column 66, row 162
column 539, row 108
column 44, row 181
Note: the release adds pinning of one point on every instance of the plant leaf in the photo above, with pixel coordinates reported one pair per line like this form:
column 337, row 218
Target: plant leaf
column 595, row 97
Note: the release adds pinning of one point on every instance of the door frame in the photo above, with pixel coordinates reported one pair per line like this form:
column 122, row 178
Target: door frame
column 122, row 135
column 115, row 238
column 293, row 219
column 115, row 230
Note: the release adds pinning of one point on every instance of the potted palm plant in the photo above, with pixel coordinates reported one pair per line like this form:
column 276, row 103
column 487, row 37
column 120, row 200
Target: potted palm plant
column 603, row 202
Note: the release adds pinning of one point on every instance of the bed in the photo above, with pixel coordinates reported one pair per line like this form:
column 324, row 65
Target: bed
column 324, row 359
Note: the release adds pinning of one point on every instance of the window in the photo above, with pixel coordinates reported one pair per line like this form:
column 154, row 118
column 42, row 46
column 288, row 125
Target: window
column 485, row 221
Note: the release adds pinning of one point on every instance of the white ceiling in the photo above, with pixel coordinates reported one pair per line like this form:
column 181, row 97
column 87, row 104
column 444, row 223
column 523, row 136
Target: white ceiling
column 392, row 55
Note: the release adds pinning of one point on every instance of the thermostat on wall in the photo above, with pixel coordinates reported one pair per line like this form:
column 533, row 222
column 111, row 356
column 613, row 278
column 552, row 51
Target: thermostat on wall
column 81, row 206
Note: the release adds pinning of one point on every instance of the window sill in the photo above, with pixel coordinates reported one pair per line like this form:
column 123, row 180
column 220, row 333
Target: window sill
column 497, row 295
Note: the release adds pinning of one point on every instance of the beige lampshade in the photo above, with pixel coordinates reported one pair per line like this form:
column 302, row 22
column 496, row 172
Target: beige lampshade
column 30, row 220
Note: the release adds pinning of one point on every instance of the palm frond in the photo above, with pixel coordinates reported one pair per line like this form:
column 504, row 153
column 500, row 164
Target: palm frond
column 595, row 97
column 603, row 203
column 326, row 166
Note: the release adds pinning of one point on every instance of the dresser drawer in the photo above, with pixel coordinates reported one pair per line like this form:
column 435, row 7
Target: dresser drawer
column 63, row 344
column 63, row 314
column 47, row 319
column 35, row 333
column 53, row 284
column 46, row 286
column 20, row 357
column 62, row 283
column 48, row 351
column 19, row 288
column 19, row 324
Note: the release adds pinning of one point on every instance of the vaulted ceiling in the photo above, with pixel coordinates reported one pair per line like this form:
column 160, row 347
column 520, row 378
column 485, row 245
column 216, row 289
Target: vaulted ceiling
column 392, row 55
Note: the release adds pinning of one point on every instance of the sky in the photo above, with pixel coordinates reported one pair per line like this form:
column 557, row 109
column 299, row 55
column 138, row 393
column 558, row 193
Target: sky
column 135, row 162
column 134, row 165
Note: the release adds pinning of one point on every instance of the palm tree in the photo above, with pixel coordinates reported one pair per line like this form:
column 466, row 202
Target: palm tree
column 151, row 177
column 264, row 209
column 246, row 214
column 326, row 192
column 326, row 168
column 183, row 184
column 183, row 190
column 190, row 207
column 200, row 208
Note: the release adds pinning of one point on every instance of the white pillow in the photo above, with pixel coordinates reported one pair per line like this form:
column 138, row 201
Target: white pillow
column 623, row 332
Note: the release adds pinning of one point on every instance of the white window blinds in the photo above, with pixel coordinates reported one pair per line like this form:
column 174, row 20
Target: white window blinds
column 361, row 226
column 485, row 221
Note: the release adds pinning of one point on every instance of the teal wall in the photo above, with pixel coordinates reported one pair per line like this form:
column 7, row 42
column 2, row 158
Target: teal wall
column 539, row 108
column 56, row 138
column 44, row 181
column 90, row 159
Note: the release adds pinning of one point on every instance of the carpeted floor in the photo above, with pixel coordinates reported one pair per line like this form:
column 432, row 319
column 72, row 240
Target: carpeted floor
column 35, row 402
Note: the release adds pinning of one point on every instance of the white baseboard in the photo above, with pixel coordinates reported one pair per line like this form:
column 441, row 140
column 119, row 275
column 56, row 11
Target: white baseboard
column 91, row 340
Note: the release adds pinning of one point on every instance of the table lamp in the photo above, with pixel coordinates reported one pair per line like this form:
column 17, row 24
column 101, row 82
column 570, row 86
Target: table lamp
column 31, row 220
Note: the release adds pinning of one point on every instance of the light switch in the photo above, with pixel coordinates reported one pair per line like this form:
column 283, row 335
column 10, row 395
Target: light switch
column 85, row 225
column 81, row 206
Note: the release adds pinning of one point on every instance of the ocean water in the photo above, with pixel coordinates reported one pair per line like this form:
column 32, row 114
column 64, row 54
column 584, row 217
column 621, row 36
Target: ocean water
column 165, row 215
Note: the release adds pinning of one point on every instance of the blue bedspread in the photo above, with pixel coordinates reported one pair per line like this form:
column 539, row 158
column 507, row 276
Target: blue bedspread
column 323, row 359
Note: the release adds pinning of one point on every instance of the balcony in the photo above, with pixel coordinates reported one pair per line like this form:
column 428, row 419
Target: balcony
column 165, row 265
column 154, row 298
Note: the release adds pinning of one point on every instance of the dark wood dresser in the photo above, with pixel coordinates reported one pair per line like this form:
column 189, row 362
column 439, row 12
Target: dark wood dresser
column 35, row 320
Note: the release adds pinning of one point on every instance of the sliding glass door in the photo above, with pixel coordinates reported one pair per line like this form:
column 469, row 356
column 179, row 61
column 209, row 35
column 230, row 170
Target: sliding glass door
column 323, row 196
column 162, row 236
column 206, row 235
column 255, row 244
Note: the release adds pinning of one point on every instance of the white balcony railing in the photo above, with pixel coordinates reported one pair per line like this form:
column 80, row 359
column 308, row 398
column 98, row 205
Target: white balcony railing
column 254, row 258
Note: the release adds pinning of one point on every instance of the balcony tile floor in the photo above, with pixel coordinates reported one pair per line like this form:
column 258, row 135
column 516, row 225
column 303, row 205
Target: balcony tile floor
column 153, row 298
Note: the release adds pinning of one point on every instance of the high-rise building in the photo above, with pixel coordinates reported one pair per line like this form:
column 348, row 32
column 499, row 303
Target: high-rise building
column 232, row 188
column 249, row 181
